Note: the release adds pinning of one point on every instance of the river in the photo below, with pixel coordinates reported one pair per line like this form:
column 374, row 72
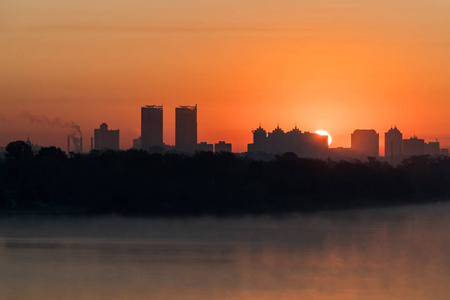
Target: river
column 388, row 253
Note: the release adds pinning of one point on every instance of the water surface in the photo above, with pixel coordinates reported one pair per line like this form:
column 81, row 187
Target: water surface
column 395, row 253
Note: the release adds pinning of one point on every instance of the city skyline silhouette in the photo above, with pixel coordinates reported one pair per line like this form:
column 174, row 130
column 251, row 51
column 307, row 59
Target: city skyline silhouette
column 153, row 129
column 336, row 68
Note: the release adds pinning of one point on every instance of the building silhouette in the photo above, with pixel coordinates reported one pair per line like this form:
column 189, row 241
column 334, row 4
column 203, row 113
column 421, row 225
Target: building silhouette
column 221, row 146
column 365, row 142
column 186, row 129
column 304, row 144
column 137, row 144
column 393, row 145
column 393, row 141
column 204, row 146
column 432, row 148
column 105, row 138
column 294, row 140
column 259, row 141
column 151, row 127
column 413, row 146
column 341, row 153
column 277, row 141
column 314, row 145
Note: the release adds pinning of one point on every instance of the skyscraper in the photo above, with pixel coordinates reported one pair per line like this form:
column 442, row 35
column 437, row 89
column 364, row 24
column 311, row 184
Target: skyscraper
column 276, row 140
column 106, row 139
column 294, row 141
column 186, row 128
column 365, row 142
column 259, row 140
column 151, row 127
column 304, row 144
column 393, row 143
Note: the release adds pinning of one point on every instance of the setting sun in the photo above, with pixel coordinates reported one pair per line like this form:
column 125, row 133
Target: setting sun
column 323, row 132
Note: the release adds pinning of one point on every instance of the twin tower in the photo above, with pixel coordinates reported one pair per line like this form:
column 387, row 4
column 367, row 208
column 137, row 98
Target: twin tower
column 185, row 128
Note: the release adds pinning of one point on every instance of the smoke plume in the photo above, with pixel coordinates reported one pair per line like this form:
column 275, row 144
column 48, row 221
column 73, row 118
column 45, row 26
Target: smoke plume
column 56, row 122
column 76, row 142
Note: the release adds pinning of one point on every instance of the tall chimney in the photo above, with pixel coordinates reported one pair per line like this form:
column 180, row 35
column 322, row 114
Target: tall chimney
column 81, row 144
column 92, row 143
column 68, row 143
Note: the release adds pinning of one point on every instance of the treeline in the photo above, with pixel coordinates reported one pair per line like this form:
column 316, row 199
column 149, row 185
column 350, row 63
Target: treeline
column 133, row 182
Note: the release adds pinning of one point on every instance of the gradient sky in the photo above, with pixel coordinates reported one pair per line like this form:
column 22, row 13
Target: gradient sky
column 335, row 66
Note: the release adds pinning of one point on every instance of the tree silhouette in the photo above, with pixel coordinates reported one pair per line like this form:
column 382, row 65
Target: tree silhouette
column 51, row 153
column 131, row 182
column 18, row 150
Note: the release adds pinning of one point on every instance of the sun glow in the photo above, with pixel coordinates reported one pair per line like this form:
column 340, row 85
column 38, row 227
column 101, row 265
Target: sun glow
column 323, row 132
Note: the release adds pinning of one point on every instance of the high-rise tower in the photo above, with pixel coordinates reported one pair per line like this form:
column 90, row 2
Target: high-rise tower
column 186, row 128
column 365, row 142
column 393, row 143
column 277, row 141
column 259, row 140
column 151, row 127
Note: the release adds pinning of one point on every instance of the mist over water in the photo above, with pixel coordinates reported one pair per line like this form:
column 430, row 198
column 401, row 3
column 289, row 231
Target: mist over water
column 395, row 253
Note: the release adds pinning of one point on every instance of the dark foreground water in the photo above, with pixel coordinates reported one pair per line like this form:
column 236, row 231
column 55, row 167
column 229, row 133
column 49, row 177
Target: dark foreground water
column 395, row 253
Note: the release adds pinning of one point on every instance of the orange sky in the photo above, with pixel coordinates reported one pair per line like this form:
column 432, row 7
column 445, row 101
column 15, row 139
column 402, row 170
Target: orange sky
column 336, row 66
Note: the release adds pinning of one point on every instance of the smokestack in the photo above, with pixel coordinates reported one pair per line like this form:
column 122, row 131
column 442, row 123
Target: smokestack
column 92, row 143
column 81, row 144
column 68, row 143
